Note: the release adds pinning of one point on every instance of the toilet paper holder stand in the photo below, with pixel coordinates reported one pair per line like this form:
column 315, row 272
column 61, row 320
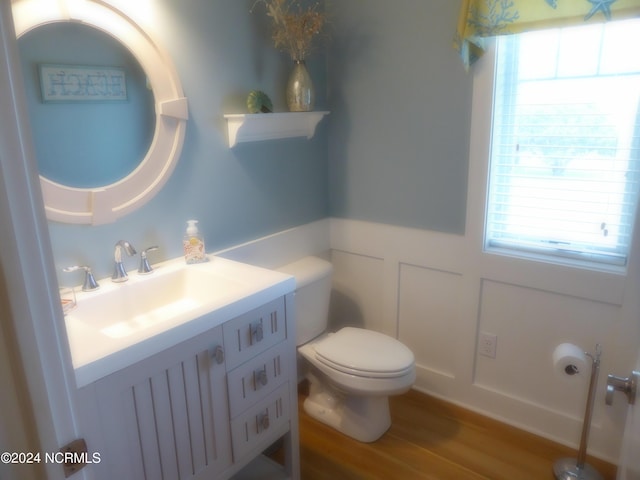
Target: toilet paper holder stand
column 578, row 468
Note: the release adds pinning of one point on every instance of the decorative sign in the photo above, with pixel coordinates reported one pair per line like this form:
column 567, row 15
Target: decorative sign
column 76, row 83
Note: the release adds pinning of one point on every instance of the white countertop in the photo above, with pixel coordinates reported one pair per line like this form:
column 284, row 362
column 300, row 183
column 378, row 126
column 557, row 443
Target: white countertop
column 96, row 351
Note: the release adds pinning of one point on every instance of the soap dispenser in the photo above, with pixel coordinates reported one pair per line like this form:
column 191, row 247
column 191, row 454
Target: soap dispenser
column 193, row 244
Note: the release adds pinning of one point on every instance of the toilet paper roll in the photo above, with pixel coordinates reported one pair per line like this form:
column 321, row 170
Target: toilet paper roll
column 570, row 361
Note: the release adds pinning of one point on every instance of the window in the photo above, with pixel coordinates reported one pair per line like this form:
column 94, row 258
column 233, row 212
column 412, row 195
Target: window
column 565, row 149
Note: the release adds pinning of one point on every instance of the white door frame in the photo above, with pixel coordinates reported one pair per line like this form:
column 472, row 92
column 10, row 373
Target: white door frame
column 629, row 464
column 26, row 262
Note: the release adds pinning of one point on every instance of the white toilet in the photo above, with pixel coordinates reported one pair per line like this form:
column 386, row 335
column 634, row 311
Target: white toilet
column 352, row 371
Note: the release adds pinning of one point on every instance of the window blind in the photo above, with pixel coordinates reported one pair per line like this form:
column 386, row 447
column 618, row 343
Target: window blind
column 565, row 151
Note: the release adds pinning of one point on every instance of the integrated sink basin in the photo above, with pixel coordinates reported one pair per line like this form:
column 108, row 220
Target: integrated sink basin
column 151, row 301
column 122, row 323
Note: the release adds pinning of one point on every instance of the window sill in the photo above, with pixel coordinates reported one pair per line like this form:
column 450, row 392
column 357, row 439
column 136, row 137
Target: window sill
column 587, row 280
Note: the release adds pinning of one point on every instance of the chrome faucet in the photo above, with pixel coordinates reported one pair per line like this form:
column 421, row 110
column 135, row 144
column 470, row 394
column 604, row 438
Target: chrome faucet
column 119, row 272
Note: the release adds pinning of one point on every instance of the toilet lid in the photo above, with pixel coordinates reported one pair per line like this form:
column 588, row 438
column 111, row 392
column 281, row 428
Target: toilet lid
column 365, row 353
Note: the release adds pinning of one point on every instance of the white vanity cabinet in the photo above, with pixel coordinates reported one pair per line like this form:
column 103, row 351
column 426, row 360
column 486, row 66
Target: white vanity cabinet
column 204, row 408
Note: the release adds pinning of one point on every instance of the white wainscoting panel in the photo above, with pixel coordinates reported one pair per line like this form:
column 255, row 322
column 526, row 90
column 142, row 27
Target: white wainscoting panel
column 283, row 247
column 357, row 297
column 523, row 318
column 429, row 316
column 437, row 292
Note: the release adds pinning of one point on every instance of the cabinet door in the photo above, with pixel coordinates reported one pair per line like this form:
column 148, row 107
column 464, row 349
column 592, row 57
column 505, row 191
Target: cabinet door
column 167, row 416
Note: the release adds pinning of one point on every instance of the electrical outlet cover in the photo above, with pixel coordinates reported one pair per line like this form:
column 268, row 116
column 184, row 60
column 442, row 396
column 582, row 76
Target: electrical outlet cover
column 488, row 344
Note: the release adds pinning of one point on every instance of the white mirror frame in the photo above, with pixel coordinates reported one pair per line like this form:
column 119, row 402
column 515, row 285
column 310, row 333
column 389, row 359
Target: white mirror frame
column 106, row 204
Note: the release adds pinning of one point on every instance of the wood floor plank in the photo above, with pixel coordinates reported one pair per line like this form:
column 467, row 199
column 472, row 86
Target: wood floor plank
column 431, row 439
column 482, row 450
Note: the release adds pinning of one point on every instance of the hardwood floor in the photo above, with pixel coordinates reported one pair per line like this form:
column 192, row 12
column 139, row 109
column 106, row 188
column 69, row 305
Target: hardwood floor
column 431, row 439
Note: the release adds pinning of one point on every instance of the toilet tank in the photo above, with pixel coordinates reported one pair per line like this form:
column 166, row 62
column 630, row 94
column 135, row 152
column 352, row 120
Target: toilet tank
column 313, row 289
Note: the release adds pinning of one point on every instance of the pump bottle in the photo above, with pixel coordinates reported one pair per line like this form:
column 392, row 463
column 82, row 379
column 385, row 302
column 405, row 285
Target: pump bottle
column 193, row 243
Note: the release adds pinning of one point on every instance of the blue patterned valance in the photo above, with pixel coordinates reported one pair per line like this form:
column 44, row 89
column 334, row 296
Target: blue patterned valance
column 480, row 19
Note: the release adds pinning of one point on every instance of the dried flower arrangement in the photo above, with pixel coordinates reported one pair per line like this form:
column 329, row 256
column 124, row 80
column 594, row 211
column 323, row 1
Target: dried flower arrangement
column 294, row 28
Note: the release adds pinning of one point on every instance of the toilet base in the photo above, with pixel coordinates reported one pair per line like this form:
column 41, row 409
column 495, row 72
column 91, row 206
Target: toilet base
column 363, row 418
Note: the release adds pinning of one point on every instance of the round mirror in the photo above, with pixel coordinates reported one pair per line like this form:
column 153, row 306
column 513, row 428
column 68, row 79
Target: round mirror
column 91, row 113
column 132, row 184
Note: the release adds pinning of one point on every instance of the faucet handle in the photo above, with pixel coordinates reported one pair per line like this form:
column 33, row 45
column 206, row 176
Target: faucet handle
column 89, row 280
column 144, row 267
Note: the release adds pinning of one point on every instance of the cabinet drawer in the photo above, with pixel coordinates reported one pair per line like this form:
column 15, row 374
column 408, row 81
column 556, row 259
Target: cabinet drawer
column 256, row 378
column 254, row 332
column 261, row 424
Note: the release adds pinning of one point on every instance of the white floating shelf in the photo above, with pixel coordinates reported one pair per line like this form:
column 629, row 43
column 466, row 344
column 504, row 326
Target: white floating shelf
column 254, row 127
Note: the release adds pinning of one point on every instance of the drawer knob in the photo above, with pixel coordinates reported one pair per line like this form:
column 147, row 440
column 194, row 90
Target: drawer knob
column 261, row 378
column 218, row 354
column 263, row 422
column 256, row 333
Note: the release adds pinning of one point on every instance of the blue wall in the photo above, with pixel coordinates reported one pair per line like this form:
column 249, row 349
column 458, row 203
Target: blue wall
column 221, row 52
column 400, row 101
column 394, row 149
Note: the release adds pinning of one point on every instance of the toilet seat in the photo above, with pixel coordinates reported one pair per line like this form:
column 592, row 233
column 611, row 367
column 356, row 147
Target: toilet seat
column 364, row 353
